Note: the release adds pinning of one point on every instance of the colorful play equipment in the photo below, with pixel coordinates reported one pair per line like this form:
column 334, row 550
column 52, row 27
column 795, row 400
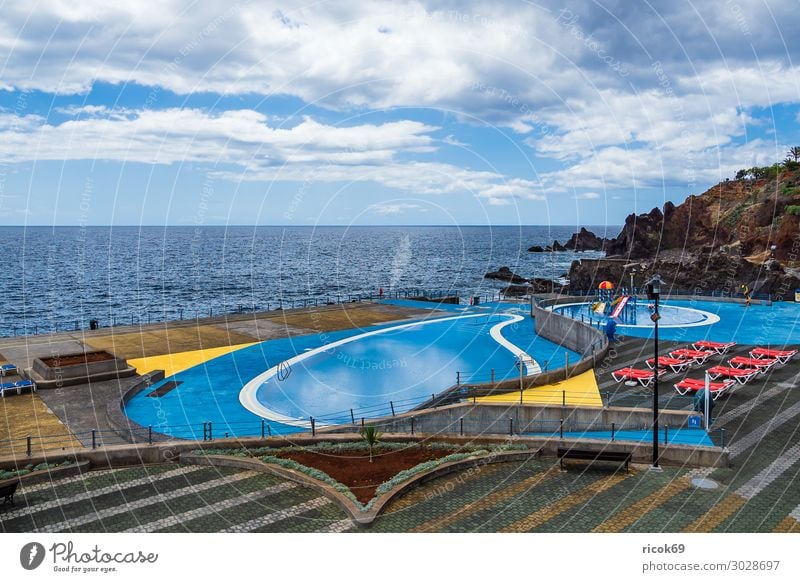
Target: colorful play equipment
column 606, row 285
column 621, row 302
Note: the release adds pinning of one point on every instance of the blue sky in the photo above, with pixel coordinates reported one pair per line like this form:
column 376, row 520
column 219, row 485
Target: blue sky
column 385, row 113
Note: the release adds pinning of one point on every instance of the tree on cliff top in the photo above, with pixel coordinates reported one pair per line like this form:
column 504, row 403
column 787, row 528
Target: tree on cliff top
column 794, row 153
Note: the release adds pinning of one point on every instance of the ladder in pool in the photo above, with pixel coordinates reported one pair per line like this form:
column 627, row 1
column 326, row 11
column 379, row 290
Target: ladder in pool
column 284, row 370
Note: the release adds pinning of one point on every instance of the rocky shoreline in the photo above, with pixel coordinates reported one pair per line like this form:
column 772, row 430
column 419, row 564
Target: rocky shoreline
column 740, row 232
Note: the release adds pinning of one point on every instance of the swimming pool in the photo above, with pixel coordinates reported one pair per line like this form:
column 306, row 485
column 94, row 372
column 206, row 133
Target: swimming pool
column 325, row 375
column 694, row 320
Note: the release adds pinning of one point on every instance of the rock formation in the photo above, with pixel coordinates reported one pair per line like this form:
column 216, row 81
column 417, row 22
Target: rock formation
column 505, row 274
column 717, row 241
column 585, row 240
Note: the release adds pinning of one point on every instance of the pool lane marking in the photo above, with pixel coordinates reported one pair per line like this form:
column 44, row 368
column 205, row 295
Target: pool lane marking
column 175, row 362
column 531, row 366
column 711, row 318
column 247, row 396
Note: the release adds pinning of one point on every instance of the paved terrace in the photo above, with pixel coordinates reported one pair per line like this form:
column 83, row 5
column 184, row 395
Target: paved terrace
column 759, row 492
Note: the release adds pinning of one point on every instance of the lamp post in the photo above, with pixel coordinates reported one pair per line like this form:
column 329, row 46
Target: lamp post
column 633, row 272
column 654, row 293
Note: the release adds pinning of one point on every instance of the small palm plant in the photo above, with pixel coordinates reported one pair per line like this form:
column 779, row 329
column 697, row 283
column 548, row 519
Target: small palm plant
column 371, row 436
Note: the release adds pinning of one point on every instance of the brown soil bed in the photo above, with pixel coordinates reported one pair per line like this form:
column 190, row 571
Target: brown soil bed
column 353, row 469
column 72, row 359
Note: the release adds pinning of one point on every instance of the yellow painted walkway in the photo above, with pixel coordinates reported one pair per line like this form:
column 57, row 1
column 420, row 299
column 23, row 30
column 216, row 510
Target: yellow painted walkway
column 580, row 390
column 180, row 361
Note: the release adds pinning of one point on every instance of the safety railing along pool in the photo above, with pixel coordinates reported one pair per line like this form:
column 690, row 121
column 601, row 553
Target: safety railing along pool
column 353, row 419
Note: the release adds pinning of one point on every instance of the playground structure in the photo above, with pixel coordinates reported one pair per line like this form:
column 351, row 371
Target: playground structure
column 613, row 304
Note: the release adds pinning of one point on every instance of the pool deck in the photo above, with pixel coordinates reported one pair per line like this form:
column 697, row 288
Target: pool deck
column 757, row 493
column 174, row 345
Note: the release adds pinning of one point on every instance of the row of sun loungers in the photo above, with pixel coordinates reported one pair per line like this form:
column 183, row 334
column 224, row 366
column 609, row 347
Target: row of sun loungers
column 740, row 370
column 17, row 387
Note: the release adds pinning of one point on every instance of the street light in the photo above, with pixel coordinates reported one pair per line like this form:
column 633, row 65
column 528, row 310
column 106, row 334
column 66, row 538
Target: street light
column 633, row 272
column 654, row 293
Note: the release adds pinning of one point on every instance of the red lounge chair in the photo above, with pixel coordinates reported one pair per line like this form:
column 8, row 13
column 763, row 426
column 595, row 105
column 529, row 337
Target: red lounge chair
column 782, row 356
column 719, row 347
column 741, row 375
column 674, row 364
column 644, row 377
column 762, row 364
column 699, row 356
column 691, row 385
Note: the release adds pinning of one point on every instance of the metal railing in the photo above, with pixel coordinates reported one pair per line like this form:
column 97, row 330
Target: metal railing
column 512, row 426
column 355, row 417
column 149, row 315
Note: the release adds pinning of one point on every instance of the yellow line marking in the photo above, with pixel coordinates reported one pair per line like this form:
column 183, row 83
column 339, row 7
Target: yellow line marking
column 545, row 514
column 180, row 361
column 580, row 390
column 486, row 502
column 630, row 514
column 717, row 514
column 787, row 525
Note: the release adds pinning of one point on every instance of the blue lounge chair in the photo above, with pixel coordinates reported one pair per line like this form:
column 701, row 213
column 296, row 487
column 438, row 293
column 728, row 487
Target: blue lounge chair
column 17, row 387
column 8, row 369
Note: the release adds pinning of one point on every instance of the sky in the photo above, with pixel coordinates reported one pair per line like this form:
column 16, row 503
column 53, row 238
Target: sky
column 409, row 113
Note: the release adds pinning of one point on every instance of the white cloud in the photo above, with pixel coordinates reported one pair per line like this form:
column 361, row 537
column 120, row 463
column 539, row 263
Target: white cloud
column 388, row 208
column 419, row 178
column 307, row 152
column 240, row 137
column 587, row 196
column 511, row 65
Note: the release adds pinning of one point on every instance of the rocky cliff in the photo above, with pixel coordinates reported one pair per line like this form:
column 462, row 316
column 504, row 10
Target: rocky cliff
column 715, row 241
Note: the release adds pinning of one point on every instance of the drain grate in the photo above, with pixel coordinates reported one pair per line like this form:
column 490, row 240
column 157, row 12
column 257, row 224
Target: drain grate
column 703, row 483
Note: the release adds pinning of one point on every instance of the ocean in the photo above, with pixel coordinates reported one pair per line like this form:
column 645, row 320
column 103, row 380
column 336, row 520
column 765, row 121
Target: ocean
column 58, row 279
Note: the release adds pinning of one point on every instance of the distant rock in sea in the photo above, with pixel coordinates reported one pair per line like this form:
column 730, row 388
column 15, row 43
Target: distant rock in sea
column 505, row 274
column 585, row 240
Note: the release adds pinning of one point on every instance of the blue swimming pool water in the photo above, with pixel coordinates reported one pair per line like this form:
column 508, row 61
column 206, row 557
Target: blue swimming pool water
column 775, row 325
column 403, row 366
column 675, row 436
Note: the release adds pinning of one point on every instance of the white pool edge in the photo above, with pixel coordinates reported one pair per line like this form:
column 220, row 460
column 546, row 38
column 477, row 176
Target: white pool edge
column 247, row 395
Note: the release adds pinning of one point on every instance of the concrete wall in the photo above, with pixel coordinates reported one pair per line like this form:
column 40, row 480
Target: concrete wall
column 568, row 332
column 142, row 454
column 515, row 419
column 76, row 374
column 121, row 424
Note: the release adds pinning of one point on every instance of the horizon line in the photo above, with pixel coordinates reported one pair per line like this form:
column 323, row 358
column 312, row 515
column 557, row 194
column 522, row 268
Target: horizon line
column 295, row 225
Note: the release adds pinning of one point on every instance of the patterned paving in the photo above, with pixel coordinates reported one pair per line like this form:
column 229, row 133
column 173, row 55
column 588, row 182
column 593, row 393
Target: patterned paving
column 171, row 498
